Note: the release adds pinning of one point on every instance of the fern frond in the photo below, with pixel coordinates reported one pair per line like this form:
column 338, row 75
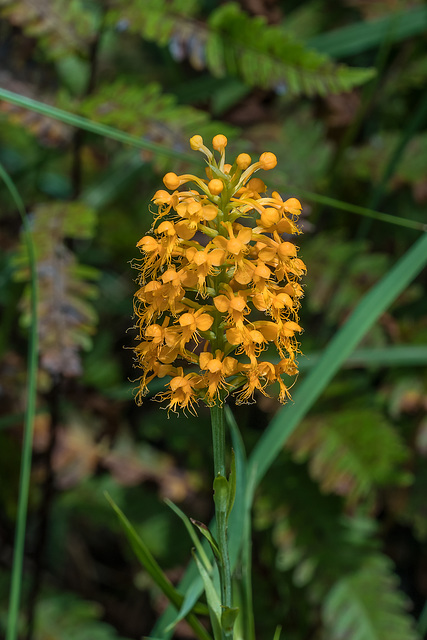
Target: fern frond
column 317, row 545
column 232, row 42
column 67, row 317
column 370, row 160
column 367, row 605
column 147, row 111
column 60, row 26
column 269, row 56
column 67, row 616
column 351, row 452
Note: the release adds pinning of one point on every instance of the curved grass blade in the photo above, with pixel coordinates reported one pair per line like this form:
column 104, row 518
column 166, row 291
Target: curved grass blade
column 191, row 582
column 191, row 532
column 372, row 305
column 27, row 445
column 212, row 598
column 191, row 596
column 366, row 35
column 277, row 633
column 362, row 211
column 393, row 356
column 126, row 138
column 152, row 567
column 91, row 125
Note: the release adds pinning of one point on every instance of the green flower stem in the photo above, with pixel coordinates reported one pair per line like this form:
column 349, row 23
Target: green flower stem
column 218, row 439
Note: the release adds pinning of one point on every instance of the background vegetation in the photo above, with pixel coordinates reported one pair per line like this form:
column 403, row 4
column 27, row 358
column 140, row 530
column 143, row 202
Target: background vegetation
column 338, row 92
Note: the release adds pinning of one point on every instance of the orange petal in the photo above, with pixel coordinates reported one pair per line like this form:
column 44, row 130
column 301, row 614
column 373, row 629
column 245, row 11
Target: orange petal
column 222, row 303
column 287, row 250
column 234, row 336
column 204, row 359
column 216, row 257
column 204, row 322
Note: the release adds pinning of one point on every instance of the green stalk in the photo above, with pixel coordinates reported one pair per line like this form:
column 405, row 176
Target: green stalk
column 218, row 440
column 27, row 445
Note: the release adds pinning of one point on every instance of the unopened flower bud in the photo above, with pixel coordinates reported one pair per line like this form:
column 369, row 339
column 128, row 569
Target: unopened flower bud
column 215, row 186
column 196, row 142
column 256, row 184
column 267, row 160
column 171, row 181
column 243, row 161
column 219, row 142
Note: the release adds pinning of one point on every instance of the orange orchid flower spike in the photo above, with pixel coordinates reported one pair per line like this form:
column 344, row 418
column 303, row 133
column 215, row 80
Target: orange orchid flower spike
column 219, row 284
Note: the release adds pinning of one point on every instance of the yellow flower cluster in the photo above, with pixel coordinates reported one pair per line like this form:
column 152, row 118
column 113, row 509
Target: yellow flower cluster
column 218, row 284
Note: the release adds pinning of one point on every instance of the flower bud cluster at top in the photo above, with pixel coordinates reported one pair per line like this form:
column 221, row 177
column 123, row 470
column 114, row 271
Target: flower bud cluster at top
column 218, row 284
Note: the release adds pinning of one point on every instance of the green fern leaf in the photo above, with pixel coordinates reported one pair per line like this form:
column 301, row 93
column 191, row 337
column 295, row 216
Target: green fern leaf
column 68, row 617
column 146, row 111
column 317, row 545
column 369, row 161
column 366, row 605
column 67, row 318
column 271, row 57
column 237, row 44
column 60, row 26
column 350, row 452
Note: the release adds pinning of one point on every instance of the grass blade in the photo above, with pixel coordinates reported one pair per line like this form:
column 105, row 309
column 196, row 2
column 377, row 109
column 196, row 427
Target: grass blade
column 191, row 533
column 90, row 125
column 212, row 598
column 191, row 596
column 150, row 564
column 412, row 355
column 27, row 445
column 126, row 138
column 355, row 38
column 277, row 633
column 372, row 305
column 355, row 208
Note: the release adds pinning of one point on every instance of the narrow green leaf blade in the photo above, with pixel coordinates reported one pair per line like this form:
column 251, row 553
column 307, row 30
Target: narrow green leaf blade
column 277, row 633
column 25, row 469
column 212, row 598
column 355, row 38
column 145, row 557
column 191, row 532
column 191, row 596
column 372, row 305
column 90, row 125
column 209, row 537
